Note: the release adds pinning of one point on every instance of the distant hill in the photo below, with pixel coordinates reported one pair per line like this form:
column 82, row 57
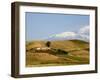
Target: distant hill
column 78, row 53
column 69, row 45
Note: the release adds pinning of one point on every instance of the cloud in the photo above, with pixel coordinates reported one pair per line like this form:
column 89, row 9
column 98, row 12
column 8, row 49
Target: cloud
column 85, row 30
column 81, row 34
column 66, row 34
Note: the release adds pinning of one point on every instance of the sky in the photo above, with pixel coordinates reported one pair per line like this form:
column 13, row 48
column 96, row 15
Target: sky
column 39, row 26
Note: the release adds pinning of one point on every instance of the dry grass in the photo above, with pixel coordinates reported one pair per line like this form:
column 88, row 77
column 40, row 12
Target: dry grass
column 78, row 53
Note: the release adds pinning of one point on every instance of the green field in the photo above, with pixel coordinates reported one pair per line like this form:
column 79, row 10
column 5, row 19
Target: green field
column 65, row 52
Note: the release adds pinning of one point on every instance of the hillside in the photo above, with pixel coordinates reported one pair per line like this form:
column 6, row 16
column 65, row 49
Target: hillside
column 77, row 52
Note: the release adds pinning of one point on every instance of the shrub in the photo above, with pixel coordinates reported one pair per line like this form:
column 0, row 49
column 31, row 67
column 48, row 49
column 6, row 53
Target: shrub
column 59, row 51
column 62, row 51
column 48, row 43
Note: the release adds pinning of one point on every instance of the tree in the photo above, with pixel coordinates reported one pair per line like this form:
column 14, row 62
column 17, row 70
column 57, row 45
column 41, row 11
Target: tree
column 48, row 43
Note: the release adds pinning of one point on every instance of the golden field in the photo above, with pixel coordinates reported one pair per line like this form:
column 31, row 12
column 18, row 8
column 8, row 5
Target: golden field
column 60, row 53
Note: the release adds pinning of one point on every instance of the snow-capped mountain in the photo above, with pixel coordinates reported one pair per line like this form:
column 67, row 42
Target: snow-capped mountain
column 69, row 36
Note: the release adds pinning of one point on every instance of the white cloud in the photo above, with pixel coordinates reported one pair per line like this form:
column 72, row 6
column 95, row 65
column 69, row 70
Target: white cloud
column 85, row 30
column 81, row 34
column 66, row 34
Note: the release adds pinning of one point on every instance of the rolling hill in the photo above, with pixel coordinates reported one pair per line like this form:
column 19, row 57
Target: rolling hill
column 78, row 53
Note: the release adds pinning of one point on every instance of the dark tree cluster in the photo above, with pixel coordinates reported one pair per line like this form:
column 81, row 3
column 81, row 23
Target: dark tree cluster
column 48, row 43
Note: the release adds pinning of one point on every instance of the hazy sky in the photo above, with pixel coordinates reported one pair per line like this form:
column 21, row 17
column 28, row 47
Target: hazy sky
column 42, row 25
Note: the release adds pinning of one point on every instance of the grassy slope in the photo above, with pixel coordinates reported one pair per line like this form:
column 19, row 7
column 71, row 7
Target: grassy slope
column 77, row 53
